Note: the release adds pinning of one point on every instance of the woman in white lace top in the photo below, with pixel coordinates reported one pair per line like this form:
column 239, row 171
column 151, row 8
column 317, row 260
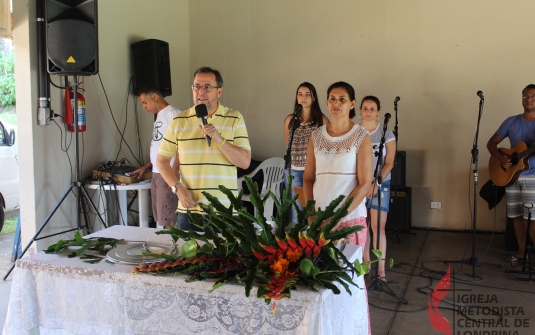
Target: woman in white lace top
column 339, row 160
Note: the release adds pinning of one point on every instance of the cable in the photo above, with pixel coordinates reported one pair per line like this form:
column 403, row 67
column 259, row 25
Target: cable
column 140, row 146
column 126, row 118
column 115, row 122
column 60, row 87
column 66, row 148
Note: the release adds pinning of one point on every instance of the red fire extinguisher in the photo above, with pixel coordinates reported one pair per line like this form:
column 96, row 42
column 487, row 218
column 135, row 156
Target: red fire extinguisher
column 69, row 110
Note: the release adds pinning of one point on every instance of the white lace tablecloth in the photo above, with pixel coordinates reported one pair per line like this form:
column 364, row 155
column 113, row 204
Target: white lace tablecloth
column 54, row 294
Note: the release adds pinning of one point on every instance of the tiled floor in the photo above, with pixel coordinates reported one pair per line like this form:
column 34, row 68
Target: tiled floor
column 418, row 268
column 494, row 303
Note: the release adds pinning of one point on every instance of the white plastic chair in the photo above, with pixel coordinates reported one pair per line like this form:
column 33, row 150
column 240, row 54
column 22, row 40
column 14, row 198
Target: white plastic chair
column 273, row 170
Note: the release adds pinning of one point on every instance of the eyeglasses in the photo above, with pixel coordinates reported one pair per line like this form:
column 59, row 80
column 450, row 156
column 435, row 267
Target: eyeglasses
column 205, row 88
column 528, row 97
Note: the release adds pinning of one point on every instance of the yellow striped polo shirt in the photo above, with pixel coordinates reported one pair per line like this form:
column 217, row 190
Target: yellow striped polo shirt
column 204, row 168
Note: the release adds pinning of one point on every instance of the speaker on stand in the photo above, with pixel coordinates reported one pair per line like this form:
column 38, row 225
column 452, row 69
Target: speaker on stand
column 72, row 37
column 70, row 41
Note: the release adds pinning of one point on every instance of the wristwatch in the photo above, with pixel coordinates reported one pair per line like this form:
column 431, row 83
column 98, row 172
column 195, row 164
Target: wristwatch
column 173, row 188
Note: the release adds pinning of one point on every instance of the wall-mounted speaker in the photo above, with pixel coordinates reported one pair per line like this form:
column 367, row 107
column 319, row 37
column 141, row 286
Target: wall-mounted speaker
column 151, row 65
column 72, row 37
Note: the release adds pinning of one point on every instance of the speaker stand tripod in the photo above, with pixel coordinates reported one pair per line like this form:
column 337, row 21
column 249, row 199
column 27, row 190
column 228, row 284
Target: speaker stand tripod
column 81, row 193
column 376, row 284
column 473, row 260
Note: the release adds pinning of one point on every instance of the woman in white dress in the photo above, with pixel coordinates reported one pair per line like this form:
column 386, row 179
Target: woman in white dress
column 339, row 161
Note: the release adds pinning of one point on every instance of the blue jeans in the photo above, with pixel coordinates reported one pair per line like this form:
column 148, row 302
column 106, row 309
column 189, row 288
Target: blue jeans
column 185, row 223
column 297, row 181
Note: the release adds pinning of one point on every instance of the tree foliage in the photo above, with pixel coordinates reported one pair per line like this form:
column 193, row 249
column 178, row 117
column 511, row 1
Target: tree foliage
column 7, row 79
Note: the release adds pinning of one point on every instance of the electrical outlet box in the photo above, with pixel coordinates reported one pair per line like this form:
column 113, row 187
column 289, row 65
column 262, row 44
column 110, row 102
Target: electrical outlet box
column 436, row 205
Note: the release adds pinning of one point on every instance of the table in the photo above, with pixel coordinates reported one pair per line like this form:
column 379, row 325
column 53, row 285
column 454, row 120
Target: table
column 54, row 294
column 143, row 200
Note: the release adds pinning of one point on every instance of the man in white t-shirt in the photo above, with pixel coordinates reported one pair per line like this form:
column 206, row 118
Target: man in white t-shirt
column 164, row 201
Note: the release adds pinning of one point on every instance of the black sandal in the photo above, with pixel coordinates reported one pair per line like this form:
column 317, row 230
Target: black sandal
column 514, row 259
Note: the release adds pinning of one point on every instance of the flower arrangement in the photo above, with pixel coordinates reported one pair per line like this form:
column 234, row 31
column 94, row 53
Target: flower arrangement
column 273, row 259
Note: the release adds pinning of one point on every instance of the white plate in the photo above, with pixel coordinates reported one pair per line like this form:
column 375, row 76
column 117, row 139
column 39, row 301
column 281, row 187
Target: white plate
column 133, row 253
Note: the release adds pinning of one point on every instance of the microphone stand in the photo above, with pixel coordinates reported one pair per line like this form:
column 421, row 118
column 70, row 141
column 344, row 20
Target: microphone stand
column 395, row 171
column 376, row 284
column 288, row 156
column 475, row 152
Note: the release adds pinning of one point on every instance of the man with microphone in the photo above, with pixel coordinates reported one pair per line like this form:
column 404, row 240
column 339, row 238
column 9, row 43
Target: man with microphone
column 209, row 143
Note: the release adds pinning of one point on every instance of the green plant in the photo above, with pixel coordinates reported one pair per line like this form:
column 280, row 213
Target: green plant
column 7, row 79
column 274, row 261
column 90, row 250
column 10, row 225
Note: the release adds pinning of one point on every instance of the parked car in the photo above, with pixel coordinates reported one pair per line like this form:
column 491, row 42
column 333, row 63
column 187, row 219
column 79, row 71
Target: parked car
column 9, row 172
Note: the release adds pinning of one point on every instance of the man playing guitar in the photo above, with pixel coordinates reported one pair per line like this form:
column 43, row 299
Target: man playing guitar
column 519, row 128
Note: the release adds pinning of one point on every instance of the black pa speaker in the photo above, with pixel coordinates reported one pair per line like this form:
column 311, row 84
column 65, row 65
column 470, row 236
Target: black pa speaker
column 400, row 210
column 72, row 37
column 151, row 65
column 398, row 173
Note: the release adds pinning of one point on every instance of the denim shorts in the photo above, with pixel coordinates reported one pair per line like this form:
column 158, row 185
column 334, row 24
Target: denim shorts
column 384, row 191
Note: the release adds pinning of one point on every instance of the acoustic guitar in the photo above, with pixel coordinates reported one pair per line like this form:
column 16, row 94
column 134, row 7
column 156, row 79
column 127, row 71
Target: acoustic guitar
column 519, row 154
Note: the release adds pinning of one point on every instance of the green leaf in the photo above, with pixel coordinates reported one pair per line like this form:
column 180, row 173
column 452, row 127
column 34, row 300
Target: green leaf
column 343, row 283
column 189, row 249
column 330, row 286
column 391, row 262
column 378, row 254
column 78, row 237
column 206, row 249
column 361, row 268
column 82, row 249
column 306, row 266
column 217, row 285
column 59, row 245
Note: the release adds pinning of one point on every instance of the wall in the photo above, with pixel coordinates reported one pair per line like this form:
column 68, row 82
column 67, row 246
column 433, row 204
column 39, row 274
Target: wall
column 45, row 167
column 434, row 55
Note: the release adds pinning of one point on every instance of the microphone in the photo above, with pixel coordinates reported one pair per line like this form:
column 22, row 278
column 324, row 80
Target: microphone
column 397, row 99
column 480, row 94
column 298, row 108
column 202, row 113
column 387, row 118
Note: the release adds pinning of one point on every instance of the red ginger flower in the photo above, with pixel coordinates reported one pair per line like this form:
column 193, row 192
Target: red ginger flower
column 309, row 245
column 280, row 266
column 273, row 253
column 293, row 255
